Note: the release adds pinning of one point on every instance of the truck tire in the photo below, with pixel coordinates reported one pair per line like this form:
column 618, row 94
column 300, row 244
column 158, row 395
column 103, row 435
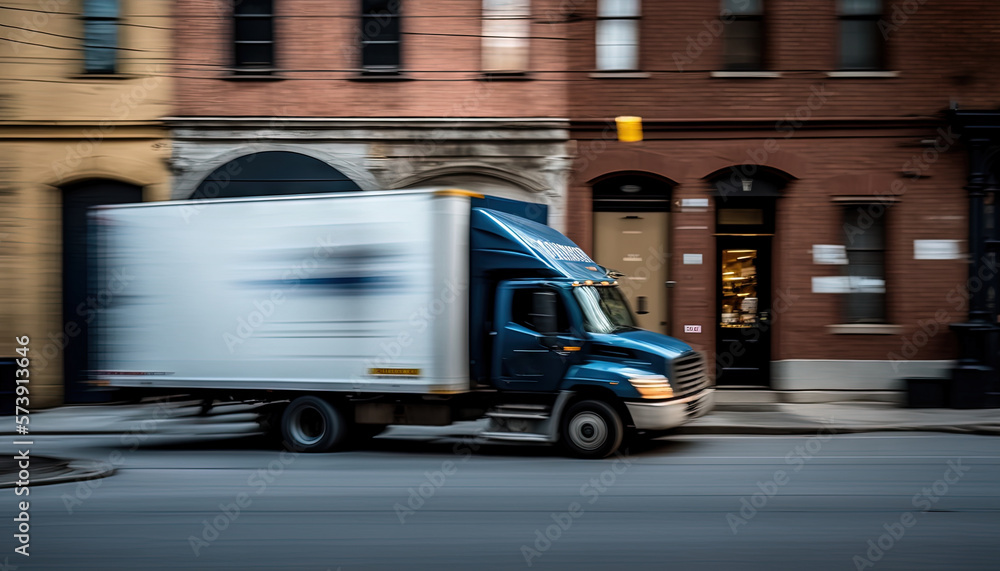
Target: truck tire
column 311, row 424
column 591, row 429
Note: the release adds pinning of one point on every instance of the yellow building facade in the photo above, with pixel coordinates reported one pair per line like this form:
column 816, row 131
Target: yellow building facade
column 83, row 90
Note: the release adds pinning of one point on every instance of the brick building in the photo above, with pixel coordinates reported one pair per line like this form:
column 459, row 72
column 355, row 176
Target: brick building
column 374, row 94
column 801, row 176
column 796, row 209
column 799, row 208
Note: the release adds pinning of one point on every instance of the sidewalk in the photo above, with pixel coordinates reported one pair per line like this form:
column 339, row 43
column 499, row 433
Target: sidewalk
column 775, row 418
column 843, row 417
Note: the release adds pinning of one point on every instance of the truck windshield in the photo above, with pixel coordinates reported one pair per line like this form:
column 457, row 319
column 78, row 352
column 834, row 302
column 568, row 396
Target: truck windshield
column 604, row 309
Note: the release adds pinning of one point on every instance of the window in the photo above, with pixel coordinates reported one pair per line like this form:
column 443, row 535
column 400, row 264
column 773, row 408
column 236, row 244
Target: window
column 253, row 35
column 380, row 35
column 864, row 239
column 523, row 309
column 604, row 309
column 100, row 31
column 506, row 33
column 618, row 35
column 743, row 35
column 861, row 42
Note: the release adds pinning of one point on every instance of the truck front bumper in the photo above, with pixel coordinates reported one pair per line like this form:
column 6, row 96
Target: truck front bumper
column 671, row 413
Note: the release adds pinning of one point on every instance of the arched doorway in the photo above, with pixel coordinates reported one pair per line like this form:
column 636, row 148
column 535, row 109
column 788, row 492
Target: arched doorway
column 273, row 173
column 631, row 221
column 83, row 298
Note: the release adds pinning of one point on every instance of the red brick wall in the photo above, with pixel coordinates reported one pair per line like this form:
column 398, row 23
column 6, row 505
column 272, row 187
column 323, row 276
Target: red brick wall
column 829, row 165
column 944, row 51
column 856, row 140
column 315, row 47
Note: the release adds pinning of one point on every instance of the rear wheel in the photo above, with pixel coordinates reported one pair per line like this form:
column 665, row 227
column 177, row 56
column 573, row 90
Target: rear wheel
column 591, row 429
column 311, row 424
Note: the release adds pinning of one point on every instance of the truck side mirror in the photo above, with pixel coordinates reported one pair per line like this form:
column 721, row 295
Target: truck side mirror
column 543, row 312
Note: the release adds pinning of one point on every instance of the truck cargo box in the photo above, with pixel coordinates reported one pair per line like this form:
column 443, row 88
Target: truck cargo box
column 340, row 292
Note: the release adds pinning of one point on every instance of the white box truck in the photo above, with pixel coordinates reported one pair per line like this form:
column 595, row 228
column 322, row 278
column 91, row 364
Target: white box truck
column 355, row 311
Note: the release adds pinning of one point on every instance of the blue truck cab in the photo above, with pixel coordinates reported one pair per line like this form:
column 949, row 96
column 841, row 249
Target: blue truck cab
column 548, row 321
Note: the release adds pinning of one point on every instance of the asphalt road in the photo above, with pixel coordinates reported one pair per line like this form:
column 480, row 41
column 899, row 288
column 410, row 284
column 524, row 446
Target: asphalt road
column 419, row 504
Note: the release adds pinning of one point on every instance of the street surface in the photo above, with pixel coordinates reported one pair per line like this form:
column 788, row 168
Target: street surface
column 679, row 503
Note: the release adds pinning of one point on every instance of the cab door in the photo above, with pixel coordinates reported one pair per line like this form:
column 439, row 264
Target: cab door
column 526, row 358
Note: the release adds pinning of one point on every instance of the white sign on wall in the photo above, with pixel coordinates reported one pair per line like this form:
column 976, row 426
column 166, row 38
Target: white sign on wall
column 692, row 259
column 692, row 329
column 936, row 250
column 694, row 203
column 829, row 254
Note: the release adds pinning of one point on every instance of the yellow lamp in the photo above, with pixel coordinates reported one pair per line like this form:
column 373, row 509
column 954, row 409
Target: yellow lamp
column 629, row 129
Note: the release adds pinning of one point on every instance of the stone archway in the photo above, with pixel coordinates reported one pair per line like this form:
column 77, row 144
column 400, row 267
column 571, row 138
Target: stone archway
column 273, row 173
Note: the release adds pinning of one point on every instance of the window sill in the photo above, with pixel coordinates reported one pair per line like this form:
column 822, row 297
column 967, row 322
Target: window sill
column 745, row 74
column 106, row 76
column 370, row 75
column 620, row 74
column 864, row 329
column 865, row 199
column 237, row 74
column 505, row 76
column 863, row 74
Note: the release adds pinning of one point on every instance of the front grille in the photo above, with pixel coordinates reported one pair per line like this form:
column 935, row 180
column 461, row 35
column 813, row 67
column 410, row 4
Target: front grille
column 689, row 374
column 696, row 407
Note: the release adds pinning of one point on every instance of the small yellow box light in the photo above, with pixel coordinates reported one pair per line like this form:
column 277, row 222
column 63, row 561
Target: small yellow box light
column 629, row 128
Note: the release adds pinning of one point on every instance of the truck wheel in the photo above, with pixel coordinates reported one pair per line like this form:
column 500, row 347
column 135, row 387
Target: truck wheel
column 311, row 424
column 591, row 429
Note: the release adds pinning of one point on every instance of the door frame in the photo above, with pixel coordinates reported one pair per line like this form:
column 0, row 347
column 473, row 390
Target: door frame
column 764, row 245
column 609, row 193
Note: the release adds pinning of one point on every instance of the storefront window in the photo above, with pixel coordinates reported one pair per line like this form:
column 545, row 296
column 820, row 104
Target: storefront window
column 739, row 289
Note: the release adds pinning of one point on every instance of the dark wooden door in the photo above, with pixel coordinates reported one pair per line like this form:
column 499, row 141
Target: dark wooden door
column 83, row 297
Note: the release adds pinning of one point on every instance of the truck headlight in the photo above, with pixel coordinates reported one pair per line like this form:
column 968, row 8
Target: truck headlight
column 653, row 387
